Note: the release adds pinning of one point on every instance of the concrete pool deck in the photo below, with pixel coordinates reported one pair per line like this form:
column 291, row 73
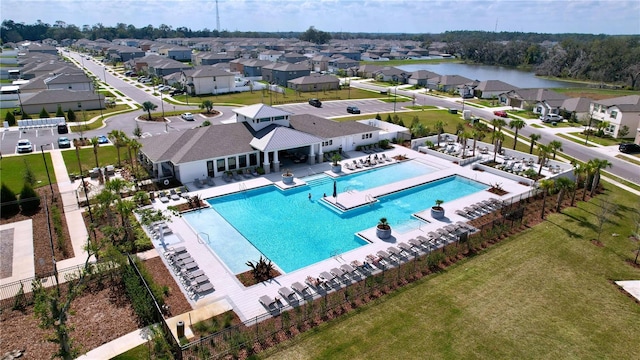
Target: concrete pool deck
column 244, row 301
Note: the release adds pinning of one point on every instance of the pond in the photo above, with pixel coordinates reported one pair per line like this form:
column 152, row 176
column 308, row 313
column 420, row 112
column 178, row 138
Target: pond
column 515, row 77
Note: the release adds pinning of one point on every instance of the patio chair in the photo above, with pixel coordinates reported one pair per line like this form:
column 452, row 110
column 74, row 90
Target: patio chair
column 210, row 181
column 174, row 195
column 348, row 269
column 326, row 278
column 337, row 272
column 197, row 183
column 384, row 255
column 313, row 282
column 301, row 289
column 162, row 196
column 287, row 294
column 395, row 252
column 268, row 301
column 409, row 249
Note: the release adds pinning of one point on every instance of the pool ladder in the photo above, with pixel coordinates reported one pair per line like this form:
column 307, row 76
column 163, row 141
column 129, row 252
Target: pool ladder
column 243, row 187
column 370, row 200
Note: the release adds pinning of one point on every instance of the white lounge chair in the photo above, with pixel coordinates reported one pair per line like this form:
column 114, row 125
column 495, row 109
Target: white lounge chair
column 301, row 289
column 267, row 301
column 287, row 294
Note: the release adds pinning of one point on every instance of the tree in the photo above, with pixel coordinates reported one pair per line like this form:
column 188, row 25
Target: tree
column 148, row 106
column 543, row 155
column 623, row 132
column 95, row 144
column 10, row 118
column 562, row 184
column 497, row 145
column 546, row 185
column 579, row 170
column 603, row 213
column 498, row 124
column 208, row 105
column 598, row 165
column 134, row 146
column 315, row 36
column 71, row 116
column 25, row 116
column 517, row 124
column 261, row 269
column 59, row 112
column 534, row 138
column 119, row 139
column 8, row 202
column 137, row 131
column 378, row 117
column 28, row 175
column 555, row 146
column 44, row 114
column 439, row 129
column 29, row 199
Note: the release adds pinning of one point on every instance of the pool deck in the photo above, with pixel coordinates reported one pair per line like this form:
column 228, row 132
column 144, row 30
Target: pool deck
column 228, row 290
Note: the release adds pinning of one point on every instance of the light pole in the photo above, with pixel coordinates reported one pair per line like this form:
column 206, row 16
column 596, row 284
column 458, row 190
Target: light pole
column 46, row 167
column 104, row 74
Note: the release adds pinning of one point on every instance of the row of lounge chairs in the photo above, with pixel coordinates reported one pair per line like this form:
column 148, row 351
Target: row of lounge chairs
column 173, row 194
column 239, row 175
column 190, row 275
column 480, row 208
column 371, row 149
column 201, row 183
column 357, row 270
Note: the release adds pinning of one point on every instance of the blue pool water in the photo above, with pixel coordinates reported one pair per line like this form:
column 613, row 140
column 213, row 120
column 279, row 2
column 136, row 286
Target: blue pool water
column 294, row 232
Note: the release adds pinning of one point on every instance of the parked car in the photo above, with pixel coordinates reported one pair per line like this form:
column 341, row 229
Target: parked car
column 103, row 139
column 63, row 142
column 315, row 102
column 62, row 128
column 551, row 118
column 501, row 113
column 187, row 116
column 353, row 110
column 629, row 148
column 176, row 92
column 24, row 146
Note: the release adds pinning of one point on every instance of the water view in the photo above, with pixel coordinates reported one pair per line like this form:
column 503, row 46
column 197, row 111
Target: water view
column 519, row 78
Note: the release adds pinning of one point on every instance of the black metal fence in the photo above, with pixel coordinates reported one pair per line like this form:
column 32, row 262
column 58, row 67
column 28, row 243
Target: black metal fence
column 255, row 334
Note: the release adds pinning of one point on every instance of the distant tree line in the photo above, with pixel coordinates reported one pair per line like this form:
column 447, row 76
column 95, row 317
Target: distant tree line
column 590, row 57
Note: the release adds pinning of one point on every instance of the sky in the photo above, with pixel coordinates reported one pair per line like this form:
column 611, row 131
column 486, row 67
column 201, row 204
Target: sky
column 372, row 16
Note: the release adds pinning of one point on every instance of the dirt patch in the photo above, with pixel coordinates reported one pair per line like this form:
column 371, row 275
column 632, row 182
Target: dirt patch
column 174, row 297
column 247, row 279
column 597, row 243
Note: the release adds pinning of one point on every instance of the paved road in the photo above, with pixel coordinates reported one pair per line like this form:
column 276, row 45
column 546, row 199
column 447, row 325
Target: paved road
column 127, row 122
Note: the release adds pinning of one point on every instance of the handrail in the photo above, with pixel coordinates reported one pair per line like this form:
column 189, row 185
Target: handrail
column 200, row 240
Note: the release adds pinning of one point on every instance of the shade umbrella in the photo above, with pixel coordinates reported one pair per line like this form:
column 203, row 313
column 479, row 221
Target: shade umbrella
column 335, row 189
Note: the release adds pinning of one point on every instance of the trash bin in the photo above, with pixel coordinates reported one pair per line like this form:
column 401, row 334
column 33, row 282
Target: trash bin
column 180, row 329
column 453, row 111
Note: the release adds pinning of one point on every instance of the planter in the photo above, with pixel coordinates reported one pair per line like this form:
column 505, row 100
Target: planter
column 287, row 179
column 437, row 212
column 336, row 168
column 383, row 233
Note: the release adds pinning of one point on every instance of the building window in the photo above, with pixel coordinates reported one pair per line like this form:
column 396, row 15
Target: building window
column 243, row 161
column 614, row 114
column 210, row 168
column 232, row 163
column 220, row 165
column 253, row 159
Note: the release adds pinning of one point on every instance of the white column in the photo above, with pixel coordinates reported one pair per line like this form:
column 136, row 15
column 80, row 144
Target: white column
column 320, row 154
column 276, row 161
column 265, row 165
column 312, row 155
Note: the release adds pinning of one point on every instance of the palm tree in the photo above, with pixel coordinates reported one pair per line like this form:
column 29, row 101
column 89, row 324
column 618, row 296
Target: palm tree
column 148, row 106
column 589, row 171
column 562, row 185
column 96, row 144
column 555, row 146
column 497, row 123
column 440, row 129
column 119, row 138
column 598, row 165
column 208, row 105
column 516, row 124
column 497, row 145
column 545, row 185
column 534, row 138
column 543, row 155
column 134, row 146
column 578, row 170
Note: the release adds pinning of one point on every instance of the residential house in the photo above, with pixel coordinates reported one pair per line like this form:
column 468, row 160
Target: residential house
column 391, row 74
column 260, row 136
column 66, row 99
column 177, row 53
column 448, row 83
column 207, row 58
column 280, row 73
column 342, row 63
column 320, row 63
column 576, row 108
column 420, row 77
column 620, row 113
column 207, row 80
column 76, row 82
column 314, row 82
column 531, row 98
column 270, row 55
column 491, row 89
column 292, row 58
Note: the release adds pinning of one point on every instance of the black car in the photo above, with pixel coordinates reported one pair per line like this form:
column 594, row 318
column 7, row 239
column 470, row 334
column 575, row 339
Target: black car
column 353, row 110
column 315, row 102
column 176, row 92
column 629, row 148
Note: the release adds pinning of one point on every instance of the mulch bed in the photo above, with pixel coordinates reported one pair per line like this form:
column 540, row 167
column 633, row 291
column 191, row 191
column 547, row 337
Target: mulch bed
column 178, row 304
column 247, row 279
column 213, row 113
column 41, row 242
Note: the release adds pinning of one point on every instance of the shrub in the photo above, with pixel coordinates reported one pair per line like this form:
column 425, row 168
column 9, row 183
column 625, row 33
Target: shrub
column 59, row 112
column 71, row 116
column 10, row 118
column 9, row 202
column 27, row 175
column 29, row 199
column 44, row 114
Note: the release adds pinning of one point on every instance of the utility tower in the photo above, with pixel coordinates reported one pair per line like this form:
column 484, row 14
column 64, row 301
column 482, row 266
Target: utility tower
column 217, row 18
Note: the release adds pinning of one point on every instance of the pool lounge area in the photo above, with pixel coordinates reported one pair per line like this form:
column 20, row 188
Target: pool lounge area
column 229, row 293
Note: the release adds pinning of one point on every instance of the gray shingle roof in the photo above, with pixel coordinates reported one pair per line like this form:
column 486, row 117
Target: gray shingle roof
column 60, row 96
column 274, row 138
column 260, row 111
column 326, row 128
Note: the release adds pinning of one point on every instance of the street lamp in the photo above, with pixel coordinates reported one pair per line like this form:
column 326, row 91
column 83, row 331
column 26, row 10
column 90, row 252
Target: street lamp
column 47, row 169
column 104, row 74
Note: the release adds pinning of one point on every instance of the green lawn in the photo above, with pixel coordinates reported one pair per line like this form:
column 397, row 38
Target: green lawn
column 601, row 141
column 107, row 155
column 12, row 170
column 545, row 293
column 248, row 98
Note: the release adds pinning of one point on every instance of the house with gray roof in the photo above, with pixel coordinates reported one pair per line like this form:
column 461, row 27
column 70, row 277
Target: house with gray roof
column 490, row 89
column 448, row 83
column 576, row 108
column 620, row 112
column 207, row 58
column 314, row 82
column 76, row 82
column 261, row 136
column 523, row 98
column 207, row 80
column 420, row 77
column 281, row 73
column 66, row 99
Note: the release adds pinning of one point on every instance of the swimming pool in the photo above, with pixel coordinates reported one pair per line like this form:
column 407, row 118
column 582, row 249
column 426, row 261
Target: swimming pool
column 294, row 231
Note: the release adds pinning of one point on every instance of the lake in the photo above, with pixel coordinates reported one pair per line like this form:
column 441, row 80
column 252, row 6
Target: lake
column 519, row 78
